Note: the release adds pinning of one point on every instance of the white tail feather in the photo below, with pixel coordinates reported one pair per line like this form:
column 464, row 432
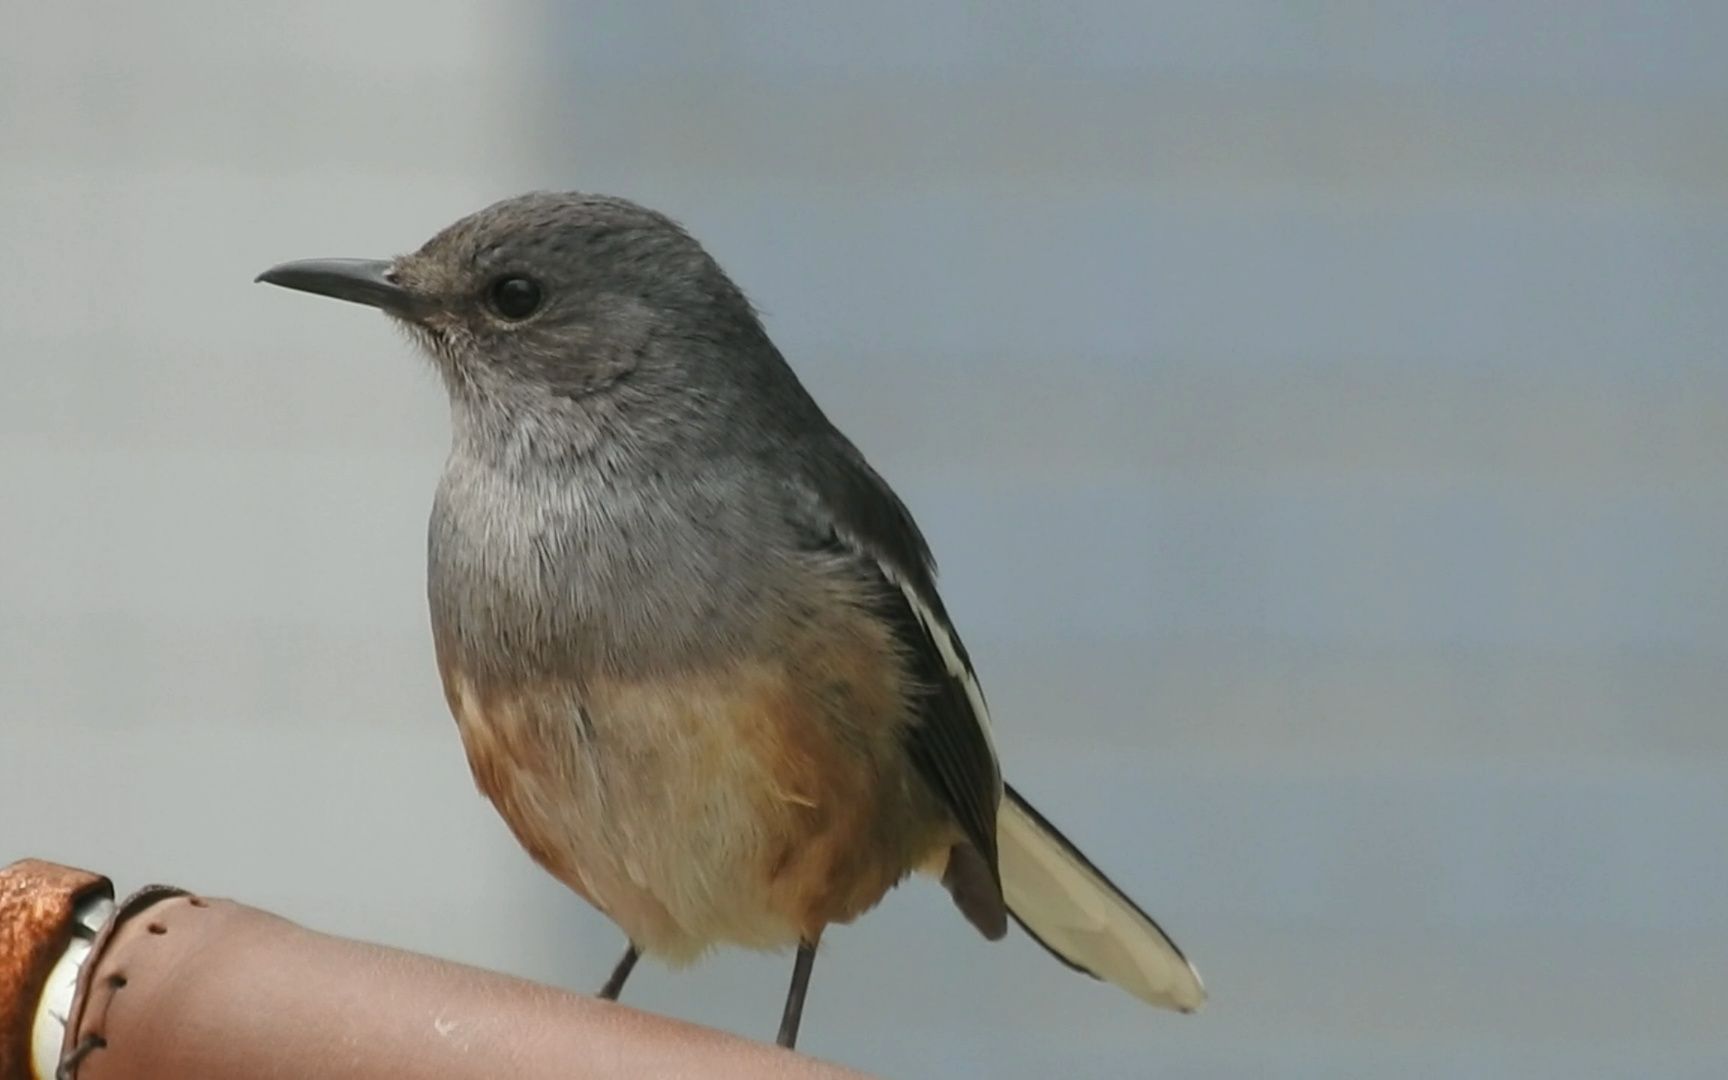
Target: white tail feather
column 1055, row 893
column 1076, row 913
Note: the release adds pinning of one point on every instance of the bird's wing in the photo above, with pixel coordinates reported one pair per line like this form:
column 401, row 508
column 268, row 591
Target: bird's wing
column 950, row 741
column 1064, row 902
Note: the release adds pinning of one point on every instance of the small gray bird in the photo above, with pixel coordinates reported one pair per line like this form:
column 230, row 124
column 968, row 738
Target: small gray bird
column 691, row 640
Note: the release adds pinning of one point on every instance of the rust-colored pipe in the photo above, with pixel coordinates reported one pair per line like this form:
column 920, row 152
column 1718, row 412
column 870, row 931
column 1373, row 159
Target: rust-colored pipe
column 168, row 984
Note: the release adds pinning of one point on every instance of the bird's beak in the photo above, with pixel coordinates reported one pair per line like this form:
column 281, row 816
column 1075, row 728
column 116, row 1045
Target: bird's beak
column 361, row 281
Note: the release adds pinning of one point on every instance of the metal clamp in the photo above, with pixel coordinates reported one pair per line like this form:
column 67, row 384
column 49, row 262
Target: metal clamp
column 48, row 1035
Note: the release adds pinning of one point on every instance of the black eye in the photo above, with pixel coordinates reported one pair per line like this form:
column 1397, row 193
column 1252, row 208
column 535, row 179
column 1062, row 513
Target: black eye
column 514, row 297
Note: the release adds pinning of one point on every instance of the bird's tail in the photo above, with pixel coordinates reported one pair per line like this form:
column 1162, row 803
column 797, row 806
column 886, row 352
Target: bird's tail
column 1073, row 910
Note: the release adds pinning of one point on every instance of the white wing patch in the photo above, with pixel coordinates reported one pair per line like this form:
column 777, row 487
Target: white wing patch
column 943, row 636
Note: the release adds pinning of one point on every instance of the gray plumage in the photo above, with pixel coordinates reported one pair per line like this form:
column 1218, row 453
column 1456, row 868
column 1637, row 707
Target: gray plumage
column 691, row 639
column 671, row 462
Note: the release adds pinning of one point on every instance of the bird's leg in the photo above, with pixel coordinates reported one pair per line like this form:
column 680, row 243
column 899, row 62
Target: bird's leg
column 626, row 964
column 795, row 994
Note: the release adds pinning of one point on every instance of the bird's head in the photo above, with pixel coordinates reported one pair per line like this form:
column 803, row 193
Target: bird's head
column 551, row 295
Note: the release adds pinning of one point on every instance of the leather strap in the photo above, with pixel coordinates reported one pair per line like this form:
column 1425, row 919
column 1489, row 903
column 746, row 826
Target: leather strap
column 194, row 989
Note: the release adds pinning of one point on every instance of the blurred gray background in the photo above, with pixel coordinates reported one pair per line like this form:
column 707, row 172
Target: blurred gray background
column 1320, row 411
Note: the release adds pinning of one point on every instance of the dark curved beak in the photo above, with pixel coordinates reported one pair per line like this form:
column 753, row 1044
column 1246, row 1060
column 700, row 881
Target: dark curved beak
column 360, row 281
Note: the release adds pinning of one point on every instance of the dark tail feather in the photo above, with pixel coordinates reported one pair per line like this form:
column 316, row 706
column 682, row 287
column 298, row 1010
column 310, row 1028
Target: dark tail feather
column 976, row 891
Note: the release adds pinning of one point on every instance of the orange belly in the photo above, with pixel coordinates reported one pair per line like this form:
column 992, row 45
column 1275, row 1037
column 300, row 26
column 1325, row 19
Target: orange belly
column 755, row 803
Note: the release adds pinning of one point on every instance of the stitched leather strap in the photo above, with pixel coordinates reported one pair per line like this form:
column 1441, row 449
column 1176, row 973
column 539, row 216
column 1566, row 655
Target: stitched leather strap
column 188, row 988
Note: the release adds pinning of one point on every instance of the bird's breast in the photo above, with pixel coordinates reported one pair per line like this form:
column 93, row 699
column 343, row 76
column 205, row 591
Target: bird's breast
column 583, row 572
column 701, row 735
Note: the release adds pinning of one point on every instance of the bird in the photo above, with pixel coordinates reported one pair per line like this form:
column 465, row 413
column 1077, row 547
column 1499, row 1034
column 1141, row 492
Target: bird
column 690, row 638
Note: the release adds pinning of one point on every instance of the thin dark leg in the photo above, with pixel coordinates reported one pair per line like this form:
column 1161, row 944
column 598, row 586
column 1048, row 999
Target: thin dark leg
column 795, row 994
column 626, row 964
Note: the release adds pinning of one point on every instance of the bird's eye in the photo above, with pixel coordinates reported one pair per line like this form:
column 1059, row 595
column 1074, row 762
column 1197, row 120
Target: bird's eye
column 514, row 297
